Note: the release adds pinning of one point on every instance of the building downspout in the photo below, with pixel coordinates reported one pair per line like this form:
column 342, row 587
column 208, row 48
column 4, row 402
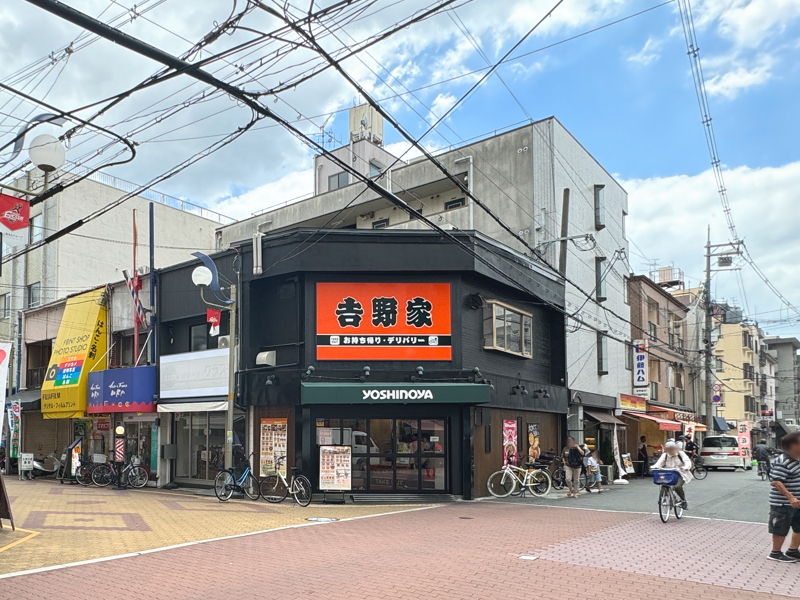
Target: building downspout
column 470, row 188
column 562, row 259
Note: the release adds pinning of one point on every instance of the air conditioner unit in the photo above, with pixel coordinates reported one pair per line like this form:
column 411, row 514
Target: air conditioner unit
column 224, row 341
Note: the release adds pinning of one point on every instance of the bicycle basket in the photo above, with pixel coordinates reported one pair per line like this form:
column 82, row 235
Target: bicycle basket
column 665, row 477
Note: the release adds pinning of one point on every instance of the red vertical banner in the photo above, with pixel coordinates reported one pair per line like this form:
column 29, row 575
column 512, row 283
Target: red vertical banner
column 510, row 450
column 743, row 433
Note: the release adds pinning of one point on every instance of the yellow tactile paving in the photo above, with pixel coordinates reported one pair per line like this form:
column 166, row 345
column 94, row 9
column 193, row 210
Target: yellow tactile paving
column 70, row 523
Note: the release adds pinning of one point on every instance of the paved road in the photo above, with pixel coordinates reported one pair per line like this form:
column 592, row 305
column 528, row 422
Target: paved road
column 737, row 496
column 481, row 550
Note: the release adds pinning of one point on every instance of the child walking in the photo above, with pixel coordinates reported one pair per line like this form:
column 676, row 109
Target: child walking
column 595, row 476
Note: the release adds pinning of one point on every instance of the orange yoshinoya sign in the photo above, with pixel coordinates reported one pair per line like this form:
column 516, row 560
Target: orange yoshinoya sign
column 383, row 321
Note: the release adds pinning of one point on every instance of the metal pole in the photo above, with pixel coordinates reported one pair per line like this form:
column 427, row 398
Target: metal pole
column 710, row 410
column 152, row 284
column 231, row 382
column 135, row 291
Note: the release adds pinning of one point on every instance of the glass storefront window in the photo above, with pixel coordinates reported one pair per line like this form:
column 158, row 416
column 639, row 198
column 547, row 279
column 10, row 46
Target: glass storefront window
column 433, row 436
column 198, row 444
column 380, row 432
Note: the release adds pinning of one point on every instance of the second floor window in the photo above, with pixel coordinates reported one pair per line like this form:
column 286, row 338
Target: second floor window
column 337, row 181
column 198, row 337
column 37, row 228
column 599, row 207
column 652, row 331
column 599, row 277
column 507, row 329
column 5, row 306
column 602, row 353
column 34, row 295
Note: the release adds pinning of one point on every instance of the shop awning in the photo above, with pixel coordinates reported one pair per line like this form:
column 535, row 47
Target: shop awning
column 602, row 417
column 28, row 399
column 211, row 404
column 663, row 424
column 720, row 424
column 393, row 393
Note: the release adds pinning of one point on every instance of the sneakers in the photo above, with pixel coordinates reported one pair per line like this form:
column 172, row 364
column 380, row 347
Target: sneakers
column 781, row 557
column 793, row 553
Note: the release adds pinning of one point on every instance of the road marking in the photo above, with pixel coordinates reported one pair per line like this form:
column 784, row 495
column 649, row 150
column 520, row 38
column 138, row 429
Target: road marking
column 196, row 542
column 31, row 534
column 608, row 510
column 528, row 557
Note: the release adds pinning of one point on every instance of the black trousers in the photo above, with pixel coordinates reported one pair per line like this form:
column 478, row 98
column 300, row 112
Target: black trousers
column 645, row 466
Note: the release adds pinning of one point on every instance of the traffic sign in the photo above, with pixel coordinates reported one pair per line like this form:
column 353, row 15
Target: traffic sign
column 716, row 398
column 716, row 387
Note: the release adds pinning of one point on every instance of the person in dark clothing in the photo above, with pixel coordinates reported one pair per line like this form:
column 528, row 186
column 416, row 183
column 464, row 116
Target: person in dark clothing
column 572, row 455
column 761, row 454
column 642, row 456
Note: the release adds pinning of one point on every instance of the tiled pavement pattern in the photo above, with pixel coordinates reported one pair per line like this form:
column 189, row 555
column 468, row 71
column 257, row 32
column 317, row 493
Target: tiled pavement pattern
column 456, row 551
column 76, row 523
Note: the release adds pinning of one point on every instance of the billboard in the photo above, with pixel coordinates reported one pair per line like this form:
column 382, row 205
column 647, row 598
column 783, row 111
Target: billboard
column 383, row 321
column 641, row 378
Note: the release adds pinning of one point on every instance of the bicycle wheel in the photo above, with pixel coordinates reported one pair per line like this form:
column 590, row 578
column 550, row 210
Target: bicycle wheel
column 501, row 484
column 250, row 487
column 301, row 488
column 137, row 477
column 559, row 479
column 539, row 483
column 84, row 475
column 273, row 489
column 676, row 502
column 224, row 483
column 664, row 502
column 102, row 475
column 700, row 471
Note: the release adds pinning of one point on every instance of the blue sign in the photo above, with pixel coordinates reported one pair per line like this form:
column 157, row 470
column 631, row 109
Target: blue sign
column 122, row 390
column 716, row 399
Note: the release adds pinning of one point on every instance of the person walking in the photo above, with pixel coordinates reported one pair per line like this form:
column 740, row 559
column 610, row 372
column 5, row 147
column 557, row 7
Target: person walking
column 643, row 457
column 784, row 500
column 572, row 455
column 594, row 475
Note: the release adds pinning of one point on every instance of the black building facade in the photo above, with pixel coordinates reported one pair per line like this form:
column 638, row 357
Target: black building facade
column 427, row 361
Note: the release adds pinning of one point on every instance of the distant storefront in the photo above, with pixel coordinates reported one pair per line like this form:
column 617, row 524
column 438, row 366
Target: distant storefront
column 126, row 397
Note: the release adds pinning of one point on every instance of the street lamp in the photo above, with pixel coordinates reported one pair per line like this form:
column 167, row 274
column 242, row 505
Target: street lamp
column 206, row 276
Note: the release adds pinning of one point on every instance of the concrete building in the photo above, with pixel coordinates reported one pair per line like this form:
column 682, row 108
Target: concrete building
column 787, row 379
column 96, row 253
column 543, row 184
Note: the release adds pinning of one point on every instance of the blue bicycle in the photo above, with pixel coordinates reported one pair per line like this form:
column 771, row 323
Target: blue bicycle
column 227, row 482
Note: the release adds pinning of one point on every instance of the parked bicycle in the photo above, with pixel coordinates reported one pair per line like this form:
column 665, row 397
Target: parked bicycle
column 227, row 482
column 698, row 468
column 133, row 474
column 511, row 478
column 83, row 474
column 668, row 499
column 274, row 487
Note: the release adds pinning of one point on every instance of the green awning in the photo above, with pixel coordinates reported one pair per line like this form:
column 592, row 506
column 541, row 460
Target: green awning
column 394, row 393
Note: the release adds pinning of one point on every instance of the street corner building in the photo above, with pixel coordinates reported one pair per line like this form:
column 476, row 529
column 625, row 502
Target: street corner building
column 382, row 363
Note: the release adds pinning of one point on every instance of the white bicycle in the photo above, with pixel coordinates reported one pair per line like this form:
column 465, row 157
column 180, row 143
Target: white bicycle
column 514, row 480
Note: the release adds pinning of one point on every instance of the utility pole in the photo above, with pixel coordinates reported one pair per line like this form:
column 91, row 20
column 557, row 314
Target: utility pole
column 724, row 254
column 709, row 355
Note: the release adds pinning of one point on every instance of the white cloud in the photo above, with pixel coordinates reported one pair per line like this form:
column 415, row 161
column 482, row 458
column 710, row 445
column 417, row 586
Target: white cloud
column 730, row 83
column 648, row 53
column 440, row 105
column 669, row 216
column 747, row 23
column 291, row 186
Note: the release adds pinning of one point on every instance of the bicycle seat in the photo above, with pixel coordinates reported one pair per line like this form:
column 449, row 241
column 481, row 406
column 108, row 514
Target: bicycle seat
column 295, row 470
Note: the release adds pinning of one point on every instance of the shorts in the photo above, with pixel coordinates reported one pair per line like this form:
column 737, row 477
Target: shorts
column 595, row 477
column 781, row 518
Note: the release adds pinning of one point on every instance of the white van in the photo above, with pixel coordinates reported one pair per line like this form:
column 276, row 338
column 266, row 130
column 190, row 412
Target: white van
column 723, row 451
column 360, row 441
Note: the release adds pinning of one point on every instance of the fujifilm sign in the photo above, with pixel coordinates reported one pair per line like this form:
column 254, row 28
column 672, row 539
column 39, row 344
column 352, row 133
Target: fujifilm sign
column 397, row 394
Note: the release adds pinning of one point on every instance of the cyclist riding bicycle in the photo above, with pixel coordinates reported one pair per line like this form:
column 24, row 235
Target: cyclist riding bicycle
column 691, row 448
column 761, row 454
column 674, row 458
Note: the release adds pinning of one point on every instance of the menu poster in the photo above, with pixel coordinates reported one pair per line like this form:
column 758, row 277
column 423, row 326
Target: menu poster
column 274, row 440
column 334, row 468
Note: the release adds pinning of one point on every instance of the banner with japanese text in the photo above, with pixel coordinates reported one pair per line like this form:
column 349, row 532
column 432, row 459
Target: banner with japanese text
column 383, row 321
column 81, row 344
column 14, row 220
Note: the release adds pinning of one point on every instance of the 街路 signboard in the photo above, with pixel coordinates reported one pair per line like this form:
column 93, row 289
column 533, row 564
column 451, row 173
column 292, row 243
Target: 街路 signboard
column 383, row 321
column 641, row 378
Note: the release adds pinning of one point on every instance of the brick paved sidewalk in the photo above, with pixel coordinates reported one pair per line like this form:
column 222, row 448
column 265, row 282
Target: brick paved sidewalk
column 74, row 523
column 455, row 551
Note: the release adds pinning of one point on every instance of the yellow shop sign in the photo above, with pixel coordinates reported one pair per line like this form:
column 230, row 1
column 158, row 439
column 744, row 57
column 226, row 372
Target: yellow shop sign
column 82, row 342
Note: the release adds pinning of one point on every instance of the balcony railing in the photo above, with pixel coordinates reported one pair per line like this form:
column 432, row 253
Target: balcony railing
column 34, row 378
